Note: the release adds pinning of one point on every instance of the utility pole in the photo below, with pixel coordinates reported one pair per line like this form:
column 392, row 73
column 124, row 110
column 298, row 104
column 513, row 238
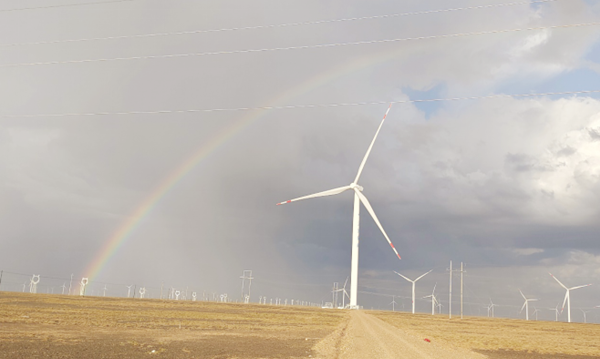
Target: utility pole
column 246, row 274
column 450, row 294
column 461, row 289
column 335, row 291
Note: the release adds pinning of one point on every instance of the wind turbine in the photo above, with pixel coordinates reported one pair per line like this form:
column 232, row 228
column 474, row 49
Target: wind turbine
column 526, row 305
column 535, row 311
column 492, row 305
column 433, row 299
column 344, row 293
column 413, row 286
column 555, row 312
column 358, row 198
column 393, row 303
column 584, row 315
column 568, row 297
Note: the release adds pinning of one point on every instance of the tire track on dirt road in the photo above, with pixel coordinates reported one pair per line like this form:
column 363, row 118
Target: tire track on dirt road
column 365, row 336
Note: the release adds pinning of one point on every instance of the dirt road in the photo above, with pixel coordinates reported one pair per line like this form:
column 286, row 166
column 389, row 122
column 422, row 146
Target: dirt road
column 365, row 336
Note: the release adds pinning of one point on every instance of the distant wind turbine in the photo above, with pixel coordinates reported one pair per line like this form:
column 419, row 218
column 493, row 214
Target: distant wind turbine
column 413, row 286
column 584, row 315
column 526, row 305
column 536, row 311
column 393, row 303
column 568, row 296
column 344, row 293
column 492, row 305
column 556, row 312
column 433, row 299
column 359, row 197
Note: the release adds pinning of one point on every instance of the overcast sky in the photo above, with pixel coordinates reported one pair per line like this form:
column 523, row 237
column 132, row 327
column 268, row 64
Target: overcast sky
column 508, row 185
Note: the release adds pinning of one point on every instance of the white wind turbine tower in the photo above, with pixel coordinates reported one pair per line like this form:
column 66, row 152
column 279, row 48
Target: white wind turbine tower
column 491, row 307
column 433, row 299
column 526, row 305
column 413, row 286
column 344, row 293
column 568, row 297
column 584, row 315
column 536, row 311
column 393, row 303
column 358, row 198
column 555, row 312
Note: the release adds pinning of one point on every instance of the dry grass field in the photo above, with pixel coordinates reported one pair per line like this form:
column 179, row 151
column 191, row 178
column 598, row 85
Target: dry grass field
column 53, row 326
column 504, row 338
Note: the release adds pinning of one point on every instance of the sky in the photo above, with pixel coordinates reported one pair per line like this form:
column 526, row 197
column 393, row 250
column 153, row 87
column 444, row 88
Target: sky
column 122, row 149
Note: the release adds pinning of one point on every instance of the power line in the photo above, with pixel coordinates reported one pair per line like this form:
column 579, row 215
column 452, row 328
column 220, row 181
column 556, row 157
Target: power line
column 288, row 107
column 272, row 26
column 301, row 47
column 65, row 5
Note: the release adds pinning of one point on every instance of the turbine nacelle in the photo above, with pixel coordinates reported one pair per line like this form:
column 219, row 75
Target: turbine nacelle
column 355, row 186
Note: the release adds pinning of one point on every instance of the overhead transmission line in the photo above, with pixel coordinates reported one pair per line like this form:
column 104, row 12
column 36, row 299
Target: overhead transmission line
column 288, row 107
column 64, row 5
column 301, row 47
column 272, row 26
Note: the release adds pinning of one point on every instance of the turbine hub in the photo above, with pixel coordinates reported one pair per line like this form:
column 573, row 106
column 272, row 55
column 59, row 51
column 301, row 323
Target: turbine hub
column 355, row 186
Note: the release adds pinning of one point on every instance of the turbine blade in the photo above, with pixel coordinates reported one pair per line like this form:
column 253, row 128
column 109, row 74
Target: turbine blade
column 403, row 277
column 367, row 205
column 346, row 282
column 433, row 292
column 564, row 301
column 581, row 286
column 362, row 164
column 423, row 275
column 523, row 307
column 330, row 192
column 523, row 295
column 562, row 285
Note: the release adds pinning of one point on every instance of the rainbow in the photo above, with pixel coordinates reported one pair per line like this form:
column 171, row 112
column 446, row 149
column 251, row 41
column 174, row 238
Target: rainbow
column 133, row 221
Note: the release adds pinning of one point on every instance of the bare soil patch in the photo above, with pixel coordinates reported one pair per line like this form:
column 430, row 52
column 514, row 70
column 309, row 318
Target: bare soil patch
column 54, row 326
